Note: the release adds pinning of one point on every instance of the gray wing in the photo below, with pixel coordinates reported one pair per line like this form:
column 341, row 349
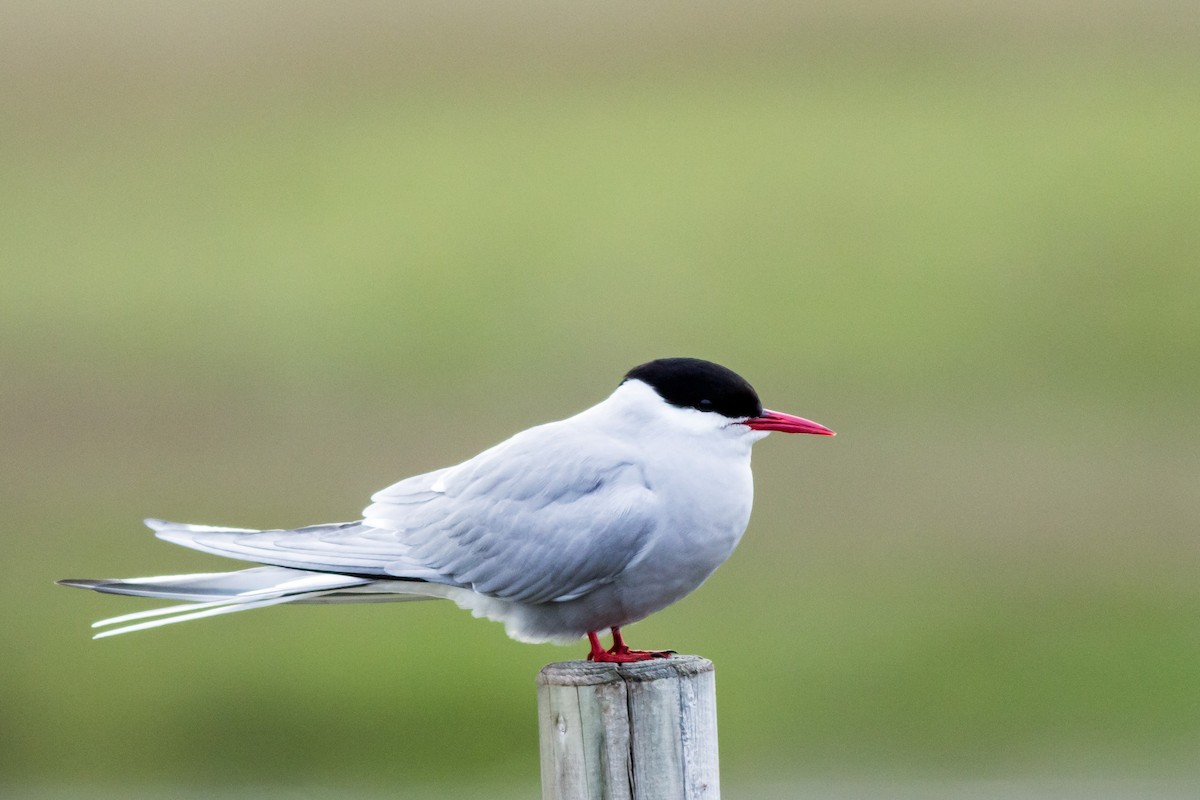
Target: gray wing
column 347, row 547
column 538, row 518
column 542, row 517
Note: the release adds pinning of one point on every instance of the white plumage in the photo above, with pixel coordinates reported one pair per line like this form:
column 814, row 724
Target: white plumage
column 565, row 529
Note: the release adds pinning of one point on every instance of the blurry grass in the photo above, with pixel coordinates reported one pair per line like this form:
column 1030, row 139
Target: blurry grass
column 258, row 309
column 869, row 199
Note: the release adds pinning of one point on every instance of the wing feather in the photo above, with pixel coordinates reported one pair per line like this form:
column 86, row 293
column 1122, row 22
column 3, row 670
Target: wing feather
column 348, row 547
column 542, row 517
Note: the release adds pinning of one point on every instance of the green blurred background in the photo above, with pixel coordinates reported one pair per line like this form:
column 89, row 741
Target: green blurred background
column 261, row 259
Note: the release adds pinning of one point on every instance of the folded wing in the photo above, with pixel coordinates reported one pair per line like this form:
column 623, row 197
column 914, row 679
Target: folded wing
column 531, row 520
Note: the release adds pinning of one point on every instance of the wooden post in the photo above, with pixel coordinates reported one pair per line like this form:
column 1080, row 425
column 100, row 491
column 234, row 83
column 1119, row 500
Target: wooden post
column 642, row 731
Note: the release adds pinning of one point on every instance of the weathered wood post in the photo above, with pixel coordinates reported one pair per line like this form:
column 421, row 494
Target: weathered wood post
column 641, row 731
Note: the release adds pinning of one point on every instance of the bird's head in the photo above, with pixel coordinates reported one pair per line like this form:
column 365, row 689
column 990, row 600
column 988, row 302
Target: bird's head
column 722, row 398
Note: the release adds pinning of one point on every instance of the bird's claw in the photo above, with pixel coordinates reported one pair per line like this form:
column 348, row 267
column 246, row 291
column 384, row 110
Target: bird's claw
column 620, row 653
column 606, row 657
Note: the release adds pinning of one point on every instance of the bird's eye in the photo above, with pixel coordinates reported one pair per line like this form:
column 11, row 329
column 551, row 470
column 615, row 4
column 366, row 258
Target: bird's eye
column 706, row 403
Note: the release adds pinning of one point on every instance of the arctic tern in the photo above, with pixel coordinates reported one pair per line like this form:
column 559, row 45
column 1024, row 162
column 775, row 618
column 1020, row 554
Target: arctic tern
column 565, row 530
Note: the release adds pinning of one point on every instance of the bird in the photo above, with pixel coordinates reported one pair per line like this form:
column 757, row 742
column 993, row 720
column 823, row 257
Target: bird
column 565, row 530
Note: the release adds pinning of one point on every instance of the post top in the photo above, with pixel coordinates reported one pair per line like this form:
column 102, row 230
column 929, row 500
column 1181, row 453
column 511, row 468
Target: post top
column 590, row 673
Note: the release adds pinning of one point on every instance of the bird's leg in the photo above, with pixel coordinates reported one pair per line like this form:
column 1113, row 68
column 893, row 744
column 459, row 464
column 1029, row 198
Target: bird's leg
column 618, row 645
column 597, row 653
column 619, row 648
column 620, row 653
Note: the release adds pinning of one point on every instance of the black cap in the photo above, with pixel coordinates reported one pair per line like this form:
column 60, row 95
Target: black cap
column 699, row 384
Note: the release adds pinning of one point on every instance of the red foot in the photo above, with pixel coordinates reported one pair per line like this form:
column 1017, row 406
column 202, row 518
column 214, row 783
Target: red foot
column 620, row 653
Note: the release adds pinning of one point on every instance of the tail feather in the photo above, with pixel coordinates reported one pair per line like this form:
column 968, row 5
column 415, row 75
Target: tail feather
column 305, row 571
column 160, row 612
column 190, row 613
column 218, row 593
column 216, row 585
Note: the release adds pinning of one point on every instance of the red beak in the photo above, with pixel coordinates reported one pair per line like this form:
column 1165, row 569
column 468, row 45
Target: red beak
column 778, row 421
